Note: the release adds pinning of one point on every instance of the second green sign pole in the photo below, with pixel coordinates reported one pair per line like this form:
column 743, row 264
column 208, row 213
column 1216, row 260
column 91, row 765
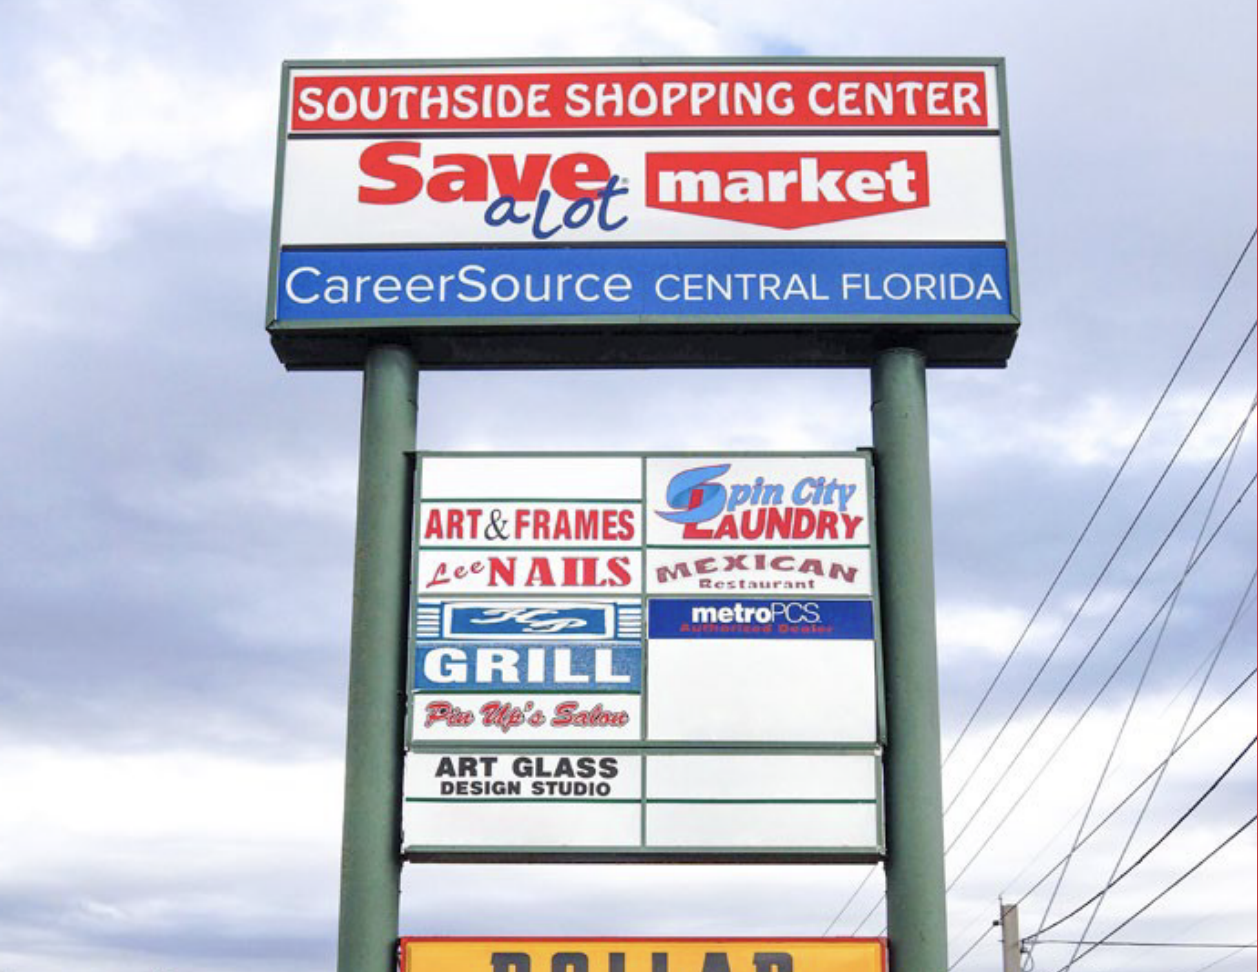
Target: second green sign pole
column 917, row 925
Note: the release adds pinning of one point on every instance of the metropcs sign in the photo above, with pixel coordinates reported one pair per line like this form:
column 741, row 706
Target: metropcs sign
column 491, row 214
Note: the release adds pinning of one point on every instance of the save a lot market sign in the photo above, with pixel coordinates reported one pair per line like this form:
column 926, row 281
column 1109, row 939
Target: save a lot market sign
column 607, row 213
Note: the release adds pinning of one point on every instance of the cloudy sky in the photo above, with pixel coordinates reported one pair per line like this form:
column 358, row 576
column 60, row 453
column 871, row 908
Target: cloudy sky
column 177, row 511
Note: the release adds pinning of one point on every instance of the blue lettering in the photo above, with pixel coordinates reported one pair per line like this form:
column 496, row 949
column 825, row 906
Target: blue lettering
column 605, row 197
column 502, row 210
column 695, row 495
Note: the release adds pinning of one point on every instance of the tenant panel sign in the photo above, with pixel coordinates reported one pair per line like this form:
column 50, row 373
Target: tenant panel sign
column 659, row 657
column 835, row 202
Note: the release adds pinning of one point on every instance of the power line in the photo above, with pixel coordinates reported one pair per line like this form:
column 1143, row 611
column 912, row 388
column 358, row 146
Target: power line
column 1113, row 674
column 1153, row 773
column 1131, row 706
column 1101, row 502
column 1092, row 702
column 1217, row 962
column 1161, row 398
column 1168, row 889
column 852, row 897
column 1105, row 630
column 1101, row 576
column 1148, row 800
column 1218, row 781
column 1207, row 661
column 977, row 942
column 870, row 913
column 1105, row 685
column 1206, row 720
column 1071, row 941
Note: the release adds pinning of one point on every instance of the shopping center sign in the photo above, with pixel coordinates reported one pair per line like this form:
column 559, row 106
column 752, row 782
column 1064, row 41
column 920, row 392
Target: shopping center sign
column 613, row 213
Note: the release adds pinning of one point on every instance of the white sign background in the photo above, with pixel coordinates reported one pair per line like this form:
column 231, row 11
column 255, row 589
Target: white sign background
column 322, row 178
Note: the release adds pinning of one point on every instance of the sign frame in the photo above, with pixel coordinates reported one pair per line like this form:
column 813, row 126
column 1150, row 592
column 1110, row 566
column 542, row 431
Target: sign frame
column 642, row 748
column 651, row 340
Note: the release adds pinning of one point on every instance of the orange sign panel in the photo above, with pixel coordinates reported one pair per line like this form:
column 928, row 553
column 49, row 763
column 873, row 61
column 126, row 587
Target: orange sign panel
column 644, row 955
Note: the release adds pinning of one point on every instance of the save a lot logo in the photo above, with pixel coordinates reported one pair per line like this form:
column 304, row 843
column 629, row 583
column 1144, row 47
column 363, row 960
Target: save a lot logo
column 514, row 189
column 817, row 508
column 553, row 193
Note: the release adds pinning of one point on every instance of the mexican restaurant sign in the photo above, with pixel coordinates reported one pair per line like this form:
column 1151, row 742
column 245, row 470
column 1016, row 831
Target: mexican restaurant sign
column 620, row 213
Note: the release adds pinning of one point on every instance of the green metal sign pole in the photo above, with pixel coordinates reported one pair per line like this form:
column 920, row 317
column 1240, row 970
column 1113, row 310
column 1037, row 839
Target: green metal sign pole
column 917, row 927
column 371, row 864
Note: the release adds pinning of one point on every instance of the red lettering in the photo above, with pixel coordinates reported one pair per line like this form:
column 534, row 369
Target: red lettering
column 571, row 714
column 580, row 175
column 451, row 715
column 618, row 567
column 540, row 574
column 459, row 177
column 404, row 180
column 522, row 183
column 501, row 571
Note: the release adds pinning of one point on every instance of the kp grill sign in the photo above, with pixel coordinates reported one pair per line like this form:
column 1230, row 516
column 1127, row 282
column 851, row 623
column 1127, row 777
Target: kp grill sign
column 828, row 200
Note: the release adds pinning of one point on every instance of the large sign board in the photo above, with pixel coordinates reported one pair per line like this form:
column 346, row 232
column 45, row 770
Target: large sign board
column 643, row 955
column 608, row 213
column 644, row 657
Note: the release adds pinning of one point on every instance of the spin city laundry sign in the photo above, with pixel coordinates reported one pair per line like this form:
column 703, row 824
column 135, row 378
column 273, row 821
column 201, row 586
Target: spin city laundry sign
column 821, row 197
column 664, row 657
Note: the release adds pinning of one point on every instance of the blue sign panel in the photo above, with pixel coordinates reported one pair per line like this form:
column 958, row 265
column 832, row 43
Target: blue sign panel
column 947, row 281
column 462, row 667
column 528, row 621
column 760, row 618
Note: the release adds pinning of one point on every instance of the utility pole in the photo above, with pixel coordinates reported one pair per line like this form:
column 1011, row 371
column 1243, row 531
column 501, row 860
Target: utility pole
column 1010, row 938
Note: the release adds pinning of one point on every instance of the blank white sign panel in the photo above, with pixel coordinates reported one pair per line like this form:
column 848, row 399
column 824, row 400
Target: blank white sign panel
column 763, row 690
column 759, row 777
column 761, row 825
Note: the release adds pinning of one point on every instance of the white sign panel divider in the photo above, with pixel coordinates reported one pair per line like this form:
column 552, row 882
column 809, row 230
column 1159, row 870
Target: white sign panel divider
column 656, row 657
